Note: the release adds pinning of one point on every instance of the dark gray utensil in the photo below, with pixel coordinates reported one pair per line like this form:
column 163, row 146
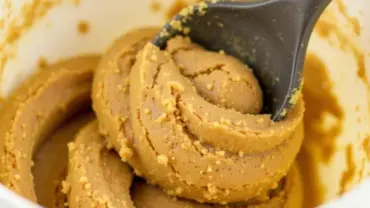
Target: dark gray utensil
column 270, row 36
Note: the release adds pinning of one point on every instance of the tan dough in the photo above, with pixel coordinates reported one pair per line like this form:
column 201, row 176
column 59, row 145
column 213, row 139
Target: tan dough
column 50, row 164
column 155, row 113
column 186, row 120
column 289, row 195
column 218, row 78
column 96, row 177
column 111, row 87
column 34, row 111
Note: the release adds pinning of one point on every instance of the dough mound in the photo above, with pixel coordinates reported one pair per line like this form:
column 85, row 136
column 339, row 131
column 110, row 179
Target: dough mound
column 179, row 127
column 98, row 178
column 175, row 116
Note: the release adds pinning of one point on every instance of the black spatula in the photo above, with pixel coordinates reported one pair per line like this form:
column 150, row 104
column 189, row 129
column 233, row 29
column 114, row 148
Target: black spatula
column 270, row 36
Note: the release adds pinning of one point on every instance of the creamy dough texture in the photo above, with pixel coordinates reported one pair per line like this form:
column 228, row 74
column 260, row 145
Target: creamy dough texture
column 98, row 178
column 35, row 111
column 179, row 127
column 190, row 141
column 50, row 163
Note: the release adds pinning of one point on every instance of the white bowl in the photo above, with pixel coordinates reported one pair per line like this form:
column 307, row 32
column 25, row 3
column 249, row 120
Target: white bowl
column 55, row 35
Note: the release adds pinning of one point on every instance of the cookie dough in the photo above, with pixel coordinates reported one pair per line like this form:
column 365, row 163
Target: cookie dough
column 111, row 87
column 34, row 112
column 51, row 161
column 175, row 117
column 98, row 178
column 185, row 120
column 289, row 195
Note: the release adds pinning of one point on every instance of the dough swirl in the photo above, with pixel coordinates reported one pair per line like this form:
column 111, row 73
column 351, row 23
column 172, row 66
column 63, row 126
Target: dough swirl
column 98, row 178
column 184, row 119
column 34, row 111
column 160, row 113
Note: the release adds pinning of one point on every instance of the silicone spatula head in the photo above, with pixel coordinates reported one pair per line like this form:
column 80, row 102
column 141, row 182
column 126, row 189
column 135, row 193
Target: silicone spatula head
column 270, row 36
